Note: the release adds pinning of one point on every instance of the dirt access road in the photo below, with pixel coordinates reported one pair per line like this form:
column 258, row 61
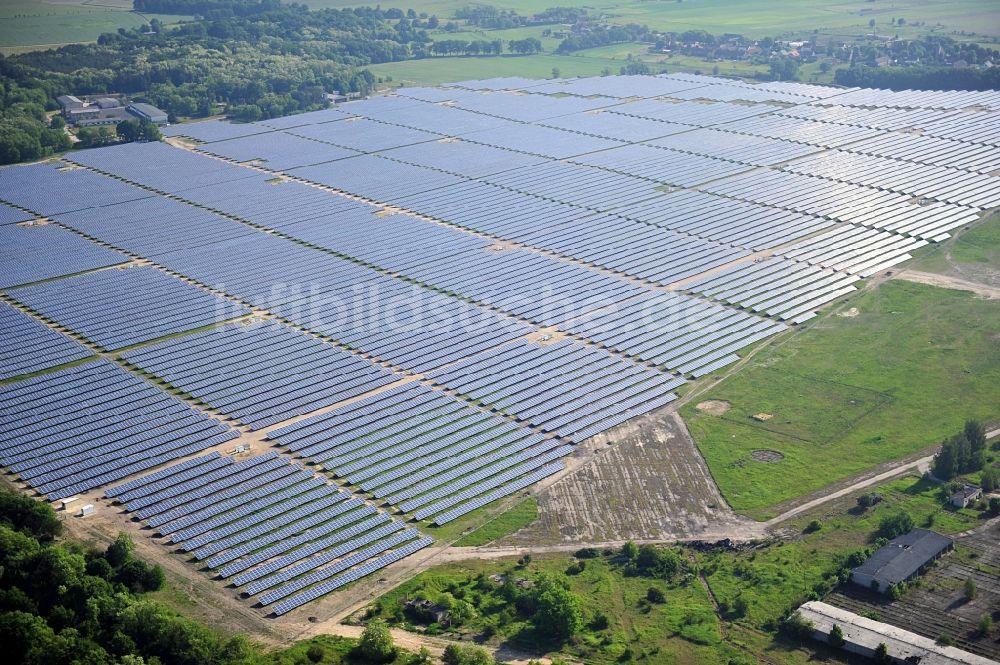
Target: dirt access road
column 948, row 282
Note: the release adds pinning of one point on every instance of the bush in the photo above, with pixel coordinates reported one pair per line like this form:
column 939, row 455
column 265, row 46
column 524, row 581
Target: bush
column 586, row 553
column 655, row 595
column 813, row 527
column 895, row 525
column 969, row 589
column 630, row 550
column 836, row 636
column 985, row 625
column 798, row 627
column 315, row 653
column 376, row 644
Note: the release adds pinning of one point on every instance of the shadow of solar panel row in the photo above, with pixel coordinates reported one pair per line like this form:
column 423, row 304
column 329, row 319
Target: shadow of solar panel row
column 460, row 157
column 532, row 108
column 922, row 180
column 49, row 189
column 391, row 242
column 78, row 428
column 39, row 252
column 615, row 126
column 876, row 118
column 376, row 178
column 542, row 289
column 260, row 374
column 264, row 522
column 932, row 151
column 11, row 215
column 153, row 226
column 635, row 249
column 363, row 135
column 120, row 307
column 694, row 114
column 160, row 166
column 754, row 150
column 919, row 99
column 585, row 186
column 411, row 445
column 215, row 130
column 854, row 250
column 673, row 330
column 971, row 127
column 619, row 87
column 777, row 287
column 29, row 346
column 492, row 210
column 661, row 165
column 732, row 222
column 408, row 325
column 273, row 204
column 277, row 151
column 842, row 201
column 796, row 130
column 725, row 91
column 367, row 568
column 563, row 388
column 322, row 116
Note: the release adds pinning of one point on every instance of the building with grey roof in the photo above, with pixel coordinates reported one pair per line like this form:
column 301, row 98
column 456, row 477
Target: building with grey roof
column 148, row 112
column 901, row 559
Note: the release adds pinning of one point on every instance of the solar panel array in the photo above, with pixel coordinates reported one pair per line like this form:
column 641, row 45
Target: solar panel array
column 423, row 451
column 117, row 308
column 267, row 525
column 259, row 374
column 82, row 427
column 29, row 346
column 432, row 295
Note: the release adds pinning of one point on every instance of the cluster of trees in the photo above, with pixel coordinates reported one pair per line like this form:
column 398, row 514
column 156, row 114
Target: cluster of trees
column 525, row 46
column 463, row 47
column 918, row 78
column 255, row 58
column 60, row 603
column 651, row 561
column 602, row 35
column 25, row 131
column 490, row 17
column 963, row 453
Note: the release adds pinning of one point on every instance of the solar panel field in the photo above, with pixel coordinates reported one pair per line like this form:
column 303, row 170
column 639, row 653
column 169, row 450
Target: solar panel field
column 415, row 305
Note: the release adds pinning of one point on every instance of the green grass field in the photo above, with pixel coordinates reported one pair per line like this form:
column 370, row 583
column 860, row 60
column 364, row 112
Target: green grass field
column 32, row 24
column 852, row 392
column 518, row 517
column 758, row 18
column 975, row 249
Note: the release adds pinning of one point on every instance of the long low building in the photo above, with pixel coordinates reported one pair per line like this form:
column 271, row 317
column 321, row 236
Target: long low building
column 862, row 636
column 901, row 559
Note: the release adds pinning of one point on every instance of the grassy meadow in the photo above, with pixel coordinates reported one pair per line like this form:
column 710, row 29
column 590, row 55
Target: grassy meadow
column 852, row 392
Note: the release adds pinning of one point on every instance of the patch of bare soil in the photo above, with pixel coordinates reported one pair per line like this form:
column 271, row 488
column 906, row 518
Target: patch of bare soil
column 848, row 313
column 643, row 480
column 768, row 456
column 713, row 407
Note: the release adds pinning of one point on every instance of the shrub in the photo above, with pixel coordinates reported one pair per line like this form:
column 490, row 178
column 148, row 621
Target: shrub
column 895, row 525
column 836, row 636
column 969, row 589
column 798, row 627
column 655, row 595
column 376, row 644
column 813, row 527
column 315, row 653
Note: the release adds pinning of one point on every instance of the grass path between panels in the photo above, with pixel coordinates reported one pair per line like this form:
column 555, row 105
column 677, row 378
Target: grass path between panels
column 905, row 367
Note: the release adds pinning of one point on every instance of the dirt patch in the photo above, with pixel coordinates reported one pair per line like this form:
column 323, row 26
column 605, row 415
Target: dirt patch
column 642, row 480
column 767, row 456
column 849, row 313
column 713, row 407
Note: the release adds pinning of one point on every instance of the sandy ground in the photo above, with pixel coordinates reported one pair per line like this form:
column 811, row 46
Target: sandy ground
column 949, row 282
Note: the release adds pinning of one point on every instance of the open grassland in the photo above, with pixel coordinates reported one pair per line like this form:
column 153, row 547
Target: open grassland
column 32, row 24
column 518, row 517
column 972, row 254
column 852, row 392
column 755, row 19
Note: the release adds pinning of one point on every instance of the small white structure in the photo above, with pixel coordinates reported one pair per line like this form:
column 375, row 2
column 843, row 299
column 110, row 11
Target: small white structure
column 87, row 510
column 968, row 494
column 65, row 502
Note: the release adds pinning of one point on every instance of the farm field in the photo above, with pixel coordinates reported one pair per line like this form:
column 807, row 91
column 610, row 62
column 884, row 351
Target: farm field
column 894, row 378
column 33, row 24
column 756, row 19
